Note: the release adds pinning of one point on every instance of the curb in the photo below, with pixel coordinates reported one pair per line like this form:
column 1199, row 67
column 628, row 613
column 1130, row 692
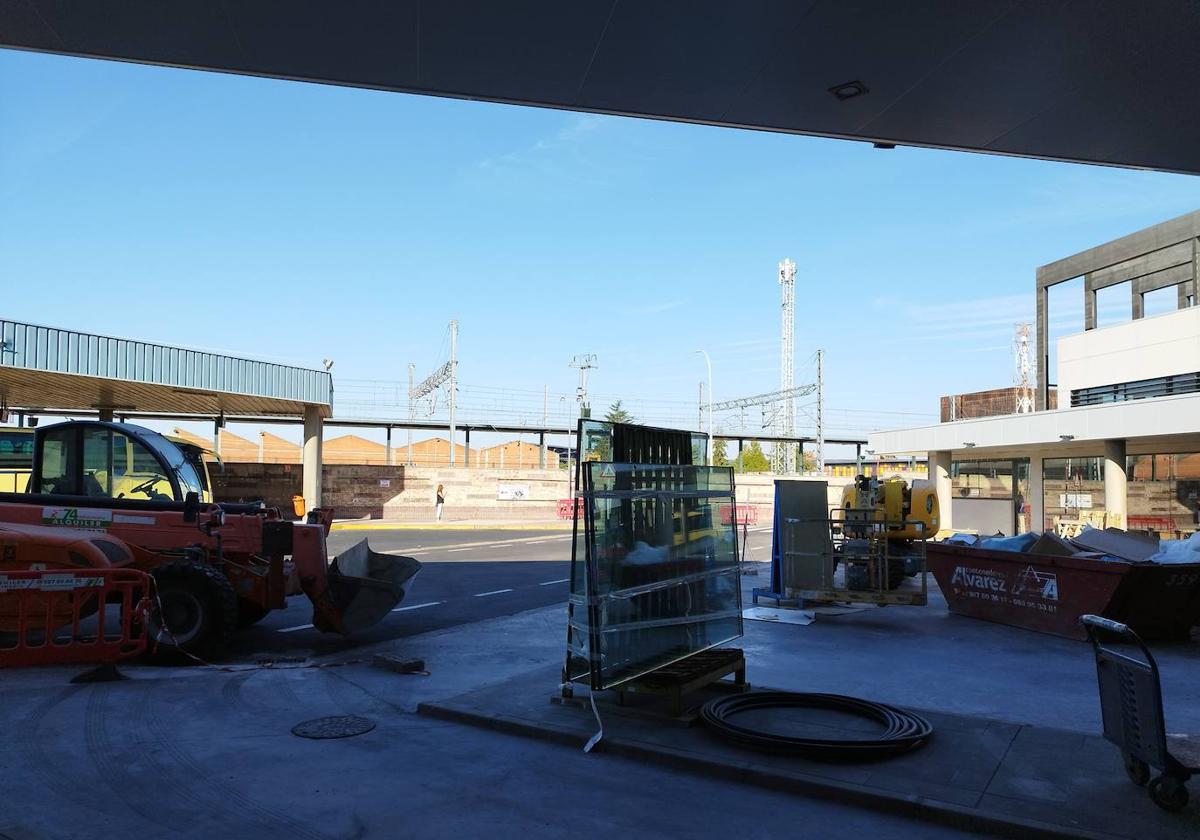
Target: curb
column 451, row 526
column 847, row 793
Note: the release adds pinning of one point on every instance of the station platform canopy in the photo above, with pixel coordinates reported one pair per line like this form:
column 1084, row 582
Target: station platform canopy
column 46, row 368
column 1106, row 82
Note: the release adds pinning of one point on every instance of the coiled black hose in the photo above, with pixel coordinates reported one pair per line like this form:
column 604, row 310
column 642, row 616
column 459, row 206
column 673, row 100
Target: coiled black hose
column 903, row 731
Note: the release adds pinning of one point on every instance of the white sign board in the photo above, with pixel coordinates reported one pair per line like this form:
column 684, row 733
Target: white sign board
column 512, row 492
column 1081, row 501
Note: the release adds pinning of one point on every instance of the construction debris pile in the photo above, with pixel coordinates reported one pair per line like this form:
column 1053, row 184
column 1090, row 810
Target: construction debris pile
column 1110, row 544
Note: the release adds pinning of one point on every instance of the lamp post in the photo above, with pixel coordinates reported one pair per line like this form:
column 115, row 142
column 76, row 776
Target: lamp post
column 708, row 362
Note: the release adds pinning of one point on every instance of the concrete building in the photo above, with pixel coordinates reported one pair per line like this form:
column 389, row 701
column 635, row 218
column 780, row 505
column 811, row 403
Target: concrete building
column 268, row 449
column 1122, row 447
column 352, row 449
column 991, row 403
column 434, row 452
column 516, row 455
column 876, row 467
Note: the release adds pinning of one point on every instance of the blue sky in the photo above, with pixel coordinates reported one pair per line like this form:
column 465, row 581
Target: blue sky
column 300, row 222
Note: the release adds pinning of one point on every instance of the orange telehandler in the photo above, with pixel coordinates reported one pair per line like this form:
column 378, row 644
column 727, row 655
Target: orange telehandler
column 116, row 495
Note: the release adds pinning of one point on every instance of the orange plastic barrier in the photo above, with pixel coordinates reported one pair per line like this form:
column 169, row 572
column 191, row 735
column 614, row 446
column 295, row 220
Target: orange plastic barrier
column 741, row 515
column 65, row 616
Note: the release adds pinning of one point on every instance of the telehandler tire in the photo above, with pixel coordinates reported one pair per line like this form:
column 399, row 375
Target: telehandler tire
column 195, row 612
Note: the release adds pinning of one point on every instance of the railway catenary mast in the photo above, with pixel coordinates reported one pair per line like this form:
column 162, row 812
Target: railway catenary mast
column 783, row 459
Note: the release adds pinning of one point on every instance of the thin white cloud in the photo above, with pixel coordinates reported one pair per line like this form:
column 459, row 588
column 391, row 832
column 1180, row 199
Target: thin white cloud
column 545, row 156
column 970, row 319
column 652, row 309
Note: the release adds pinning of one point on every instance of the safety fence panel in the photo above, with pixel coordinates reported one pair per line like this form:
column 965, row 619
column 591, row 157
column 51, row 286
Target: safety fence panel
column 570, row 508
column 64, row 616
column 739, row 514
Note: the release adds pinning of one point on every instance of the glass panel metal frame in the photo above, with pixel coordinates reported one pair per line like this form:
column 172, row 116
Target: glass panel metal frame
column 662, row 572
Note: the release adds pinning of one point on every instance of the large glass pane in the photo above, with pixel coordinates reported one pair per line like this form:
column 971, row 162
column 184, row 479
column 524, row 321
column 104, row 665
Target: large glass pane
column 982, row 479
column 97, row 463
column 1072, row 486
column 1021, row 502
column 1163, row 492
column 16, row 449
column 58, row 466
column 137, row 473
column 595, row 441
column 662, row 571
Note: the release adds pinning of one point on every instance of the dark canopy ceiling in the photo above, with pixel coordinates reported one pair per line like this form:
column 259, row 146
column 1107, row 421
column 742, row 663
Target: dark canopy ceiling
column 1103, row 81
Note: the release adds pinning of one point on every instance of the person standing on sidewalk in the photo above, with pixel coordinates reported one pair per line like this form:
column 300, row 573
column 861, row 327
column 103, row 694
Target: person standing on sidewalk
column 441, row 500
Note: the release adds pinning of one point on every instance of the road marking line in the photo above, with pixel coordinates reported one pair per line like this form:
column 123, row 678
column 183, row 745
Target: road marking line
column 452, row 550
column 493, row 592
column 492, row 558
column 293, row 629
column 503, row 545
column 549, row 582
column 453, row 546
column 418, row 606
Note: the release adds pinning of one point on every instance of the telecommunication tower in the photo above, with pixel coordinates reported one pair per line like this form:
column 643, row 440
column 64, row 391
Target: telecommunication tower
column 783, row 458
column 1023, row 375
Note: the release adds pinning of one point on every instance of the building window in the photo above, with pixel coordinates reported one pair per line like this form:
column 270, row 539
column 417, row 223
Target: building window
column 1163, row 492
column 982, row 479
column 1161, row 386
column 1072, row 488
column 1002, row 480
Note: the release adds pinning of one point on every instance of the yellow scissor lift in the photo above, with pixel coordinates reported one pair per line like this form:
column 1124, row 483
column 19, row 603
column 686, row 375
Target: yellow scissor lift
column 854, row 557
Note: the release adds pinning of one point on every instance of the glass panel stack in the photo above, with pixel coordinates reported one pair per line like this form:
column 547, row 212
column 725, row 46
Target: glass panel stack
column 655, row 574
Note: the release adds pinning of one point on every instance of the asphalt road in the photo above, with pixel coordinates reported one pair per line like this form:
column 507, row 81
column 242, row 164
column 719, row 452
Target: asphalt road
column 466, row 576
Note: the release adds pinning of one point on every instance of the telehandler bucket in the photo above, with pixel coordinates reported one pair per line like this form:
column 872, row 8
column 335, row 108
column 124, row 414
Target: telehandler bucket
column 366, row 585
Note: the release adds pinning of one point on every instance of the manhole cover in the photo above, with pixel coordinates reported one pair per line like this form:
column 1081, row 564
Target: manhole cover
column 339, row 726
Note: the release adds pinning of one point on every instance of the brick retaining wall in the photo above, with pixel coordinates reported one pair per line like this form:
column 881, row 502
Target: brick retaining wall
column 407, row 493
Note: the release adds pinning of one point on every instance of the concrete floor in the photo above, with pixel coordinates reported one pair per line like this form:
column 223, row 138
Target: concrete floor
column 928, row 658
column 197, row 752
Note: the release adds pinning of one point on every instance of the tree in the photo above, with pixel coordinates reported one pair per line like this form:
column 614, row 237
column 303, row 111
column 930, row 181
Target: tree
column 753, row 460
column 720, row 458
column 618, row 414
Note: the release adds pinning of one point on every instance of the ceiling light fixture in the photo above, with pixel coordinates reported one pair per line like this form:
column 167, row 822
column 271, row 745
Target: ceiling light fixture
column 849, row 90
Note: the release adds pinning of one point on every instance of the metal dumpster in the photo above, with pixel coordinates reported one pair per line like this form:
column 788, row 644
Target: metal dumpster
column 1048, row 593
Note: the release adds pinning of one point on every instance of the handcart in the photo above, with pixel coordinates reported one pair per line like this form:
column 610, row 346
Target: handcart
column 1131, row 705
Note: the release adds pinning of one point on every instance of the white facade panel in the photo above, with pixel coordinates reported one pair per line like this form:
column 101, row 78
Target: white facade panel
column 1130, row 420
column 1146, row 348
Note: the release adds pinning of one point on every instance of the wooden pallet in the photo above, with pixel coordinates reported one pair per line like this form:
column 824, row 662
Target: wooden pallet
column 679, row 679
